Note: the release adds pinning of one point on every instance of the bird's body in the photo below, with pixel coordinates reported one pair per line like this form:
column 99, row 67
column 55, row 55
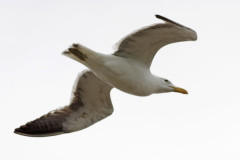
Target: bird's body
column 121, row 73
column 128, row 70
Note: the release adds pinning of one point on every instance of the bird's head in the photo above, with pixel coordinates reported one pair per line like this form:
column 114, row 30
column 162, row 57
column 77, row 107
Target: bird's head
column 164, row 85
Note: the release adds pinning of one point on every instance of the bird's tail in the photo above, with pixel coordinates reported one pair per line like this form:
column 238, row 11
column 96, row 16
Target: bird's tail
column 79, row 53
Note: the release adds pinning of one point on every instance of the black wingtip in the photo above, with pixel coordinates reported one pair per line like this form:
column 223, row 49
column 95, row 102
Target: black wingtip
column 21, row 129
column 158, row 16
column 41, row 127
column 17, row 131
column 167, row 20
column 22, row 132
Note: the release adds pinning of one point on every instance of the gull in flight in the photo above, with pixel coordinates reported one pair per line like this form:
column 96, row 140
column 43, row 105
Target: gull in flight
column 127, row 69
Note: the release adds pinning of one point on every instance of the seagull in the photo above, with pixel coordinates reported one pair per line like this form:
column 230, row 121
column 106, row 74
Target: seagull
column 127, row 69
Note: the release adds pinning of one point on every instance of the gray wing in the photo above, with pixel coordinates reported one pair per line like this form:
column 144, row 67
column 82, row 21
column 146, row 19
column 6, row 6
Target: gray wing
column 142, row 45
column 90, row 103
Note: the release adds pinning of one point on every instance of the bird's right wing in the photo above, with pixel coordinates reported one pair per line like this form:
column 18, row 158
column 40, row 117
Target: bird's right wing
column 90, row 103
column 143, row 44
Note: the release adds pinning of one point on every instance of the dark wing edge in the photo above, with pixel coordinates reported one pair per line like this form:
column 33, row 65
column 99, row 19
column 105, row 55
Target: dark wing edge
column 90, row 103
column 168, row 20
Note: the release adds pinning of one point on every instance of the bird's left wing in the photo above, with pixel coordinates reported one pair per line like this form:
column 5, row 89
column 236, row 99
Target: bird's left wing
column 90, row 103
column 142, row 45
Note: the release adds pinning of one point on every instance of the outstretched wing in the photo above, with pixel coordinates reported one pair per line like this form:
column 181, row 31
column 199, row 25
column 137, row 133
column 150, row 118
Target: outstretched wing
column 142, row 45
column 90, row 103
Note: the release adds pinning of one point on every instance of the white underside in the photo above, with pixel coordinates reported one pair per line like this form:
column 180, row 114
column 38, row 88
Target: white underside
column 124, row 74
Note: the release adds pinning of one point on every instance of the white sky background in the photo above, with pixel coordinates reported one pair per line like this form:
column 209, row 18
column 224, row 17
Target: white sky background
column 36, row 78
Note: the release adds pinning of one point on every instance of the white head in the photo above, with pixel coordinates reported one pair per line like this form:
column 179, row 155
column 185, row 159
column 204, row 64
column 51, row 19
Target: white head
column 164, row 85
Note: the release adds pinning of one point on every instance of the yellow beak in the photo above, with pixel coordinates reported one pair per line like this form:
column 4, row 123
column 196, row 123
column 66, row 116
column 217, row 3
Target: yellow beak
column 180, row 90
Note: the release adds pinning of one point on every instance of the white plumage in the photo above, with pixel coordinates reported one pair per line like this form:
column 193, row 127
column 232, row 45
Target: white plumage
column 128, row 69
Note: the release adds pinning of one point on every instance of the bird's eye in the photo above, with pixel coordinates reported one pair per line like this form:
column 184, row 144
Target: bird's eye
column 166, row 80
